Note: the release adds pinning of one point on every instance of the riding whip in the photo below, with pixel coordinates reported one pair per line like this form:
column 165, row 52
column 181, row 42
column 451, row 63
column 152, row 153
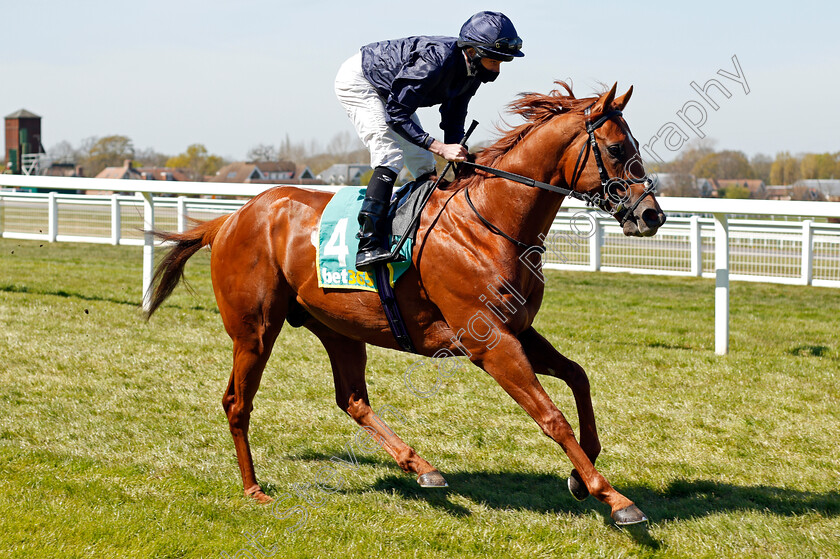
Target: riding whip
column 416, row 219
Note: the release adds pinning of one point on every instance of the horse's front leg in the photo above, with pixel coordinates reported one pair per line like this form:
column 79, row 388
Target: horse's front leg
column 548, row 361
column 509, row 365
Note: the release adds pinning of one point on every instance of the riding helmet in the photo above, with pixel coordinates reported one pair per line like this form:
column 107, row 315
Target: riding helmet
column 493, row 35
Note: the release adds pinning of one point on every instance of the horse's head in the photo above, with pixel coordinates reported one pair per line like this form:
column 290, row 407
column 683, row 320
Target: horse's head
column 608, row 169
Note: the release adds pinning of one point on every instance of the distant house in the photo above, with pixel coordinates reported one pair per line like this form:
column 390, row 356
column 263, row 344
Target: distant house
column 265, row 172
column 124, row 172
column 715, row 188
column 706, row 188
column 757, row 188
column 818, row 189
column 344, row 173
column 129, row 172
column 64, row 169
column 163, row 174
column 779, row 192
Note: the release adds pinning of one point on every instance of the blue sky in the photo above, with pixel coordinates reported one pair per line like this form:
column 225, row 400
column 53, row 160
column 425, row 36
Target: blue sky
column 232, row 75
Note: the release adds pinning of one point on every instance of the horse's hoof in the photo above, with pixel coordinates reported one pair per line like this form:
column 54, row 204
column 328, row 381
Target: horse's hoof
column 629, row 516
column 260, row 497
column 576, row 487
column 432, row 479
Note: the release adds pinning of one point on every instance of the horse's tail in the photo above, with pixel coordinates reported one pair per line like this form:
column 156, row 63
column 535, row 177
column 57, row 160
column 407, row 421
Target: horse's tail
column 170, row 270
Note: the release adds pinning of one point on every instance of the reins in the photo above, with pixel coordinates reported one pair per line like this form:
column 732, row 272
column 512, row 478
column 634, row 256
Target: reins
column 498, row 231
column 602, row 203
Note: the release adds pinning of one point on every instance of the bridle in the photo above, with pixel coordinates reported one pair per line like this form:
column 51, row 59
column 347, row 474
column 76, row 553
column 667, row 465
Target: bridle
column 596, row 200
column 606, row 181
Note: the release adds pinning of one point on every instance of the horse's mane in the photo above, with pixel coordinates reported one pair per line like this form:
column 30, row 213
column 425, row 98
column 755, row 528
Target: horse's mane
column 537, row 109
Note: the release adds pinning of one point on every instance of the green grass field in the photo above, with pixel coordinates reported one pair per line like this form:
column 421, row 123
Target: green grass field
column 113, row 442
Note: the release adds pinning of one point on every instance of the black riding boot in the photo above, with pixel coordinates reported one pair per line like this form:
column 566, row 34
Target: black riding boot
column 373, row 233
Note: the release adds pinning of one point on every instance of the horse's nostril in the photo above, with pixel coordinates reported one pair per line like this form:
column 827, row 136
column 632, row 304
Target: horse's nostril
column 651, row 218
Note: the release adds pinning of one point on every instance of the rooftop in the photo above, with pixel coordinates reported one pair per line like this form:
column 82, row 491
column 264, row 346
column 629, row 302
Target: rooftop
column 22, row 113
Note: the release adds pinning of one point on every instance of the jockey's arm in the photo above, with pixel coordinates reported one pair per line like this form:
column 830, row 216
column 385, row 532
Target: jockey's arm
column 450, row 152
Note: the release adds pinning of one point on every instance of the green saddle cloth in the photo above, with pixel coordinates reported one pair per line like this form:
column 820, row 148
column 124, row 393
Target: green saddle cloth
column 337, row 245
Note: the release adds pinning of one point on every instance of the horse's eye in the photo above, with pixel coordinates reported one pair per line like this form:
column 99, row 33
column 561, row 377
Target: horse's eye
column 616, row 150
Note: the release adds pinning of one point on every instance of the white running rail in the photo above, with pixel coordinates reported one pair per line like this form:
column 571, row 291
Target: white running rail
column 725, row 239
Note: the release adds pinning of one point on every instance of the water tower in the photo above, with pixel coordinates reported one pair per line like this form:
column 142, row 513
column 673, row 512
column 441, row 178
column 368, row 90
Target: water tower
column 23, row 137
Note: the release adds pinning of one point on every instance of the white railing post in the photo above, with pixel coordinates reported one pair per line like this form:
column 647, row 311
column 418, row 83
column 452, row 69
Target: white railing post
column 148, row 247
column 807, row 251
column 721, row 284
column 594, row 242
column 182, row 214
column 696, row 241
column 52, row 217
column 116, row 219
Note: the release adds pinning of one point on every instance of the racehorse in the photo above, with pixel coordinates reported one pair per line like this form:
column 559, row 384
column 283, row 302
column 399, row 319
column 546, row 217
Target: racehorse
column 472, row 235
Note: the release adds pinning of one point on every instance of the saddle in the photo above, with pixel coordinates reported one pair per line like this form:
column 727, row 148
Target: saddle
column 337, row 245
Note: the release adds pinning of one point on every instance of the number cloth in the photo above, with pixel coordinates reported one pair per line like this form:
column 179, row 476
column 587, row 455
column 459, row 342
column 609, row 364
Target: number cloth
column 337, row 245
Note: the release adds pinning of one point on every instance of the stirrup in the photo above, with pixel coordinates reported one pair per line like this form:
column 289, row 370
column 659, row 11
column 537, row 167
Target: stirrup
column 368, row 259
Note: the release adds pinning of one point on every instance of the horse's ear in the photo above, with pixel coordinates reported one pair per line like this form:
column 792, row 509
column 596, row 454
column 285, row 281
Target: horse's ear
column 621, row 102
column 604, row 102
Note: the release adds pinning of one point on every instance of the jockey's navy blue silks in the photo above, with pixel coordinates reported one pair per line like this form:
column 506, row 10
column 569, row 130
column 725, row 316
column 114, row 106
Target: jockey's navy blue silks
column 421, row 72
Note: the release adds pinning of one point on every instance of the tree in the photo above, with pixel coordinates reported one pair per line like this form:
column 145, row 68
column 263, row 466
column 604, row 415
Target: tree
column 262, row 152
column 693, row 152
column 292, row 152
column 818, row 166
column 110, row 151
column 364, row 179
column 682, row 184
column 736, row 191
column 761, row 165
column 343, row 145
column 785, row 169
column 150, row 158
column 197, row 162
column 64, row 152
column 726, row 164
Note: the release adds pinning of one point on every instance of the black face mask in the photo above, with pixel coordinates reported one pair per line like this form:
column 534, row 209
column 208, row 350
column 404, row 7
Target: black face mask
column 479, row 71
column 485, row 75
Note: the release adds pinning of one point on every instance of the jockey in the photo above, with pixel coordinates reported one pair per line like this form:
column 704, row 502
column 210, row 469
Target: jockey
column 383, row 85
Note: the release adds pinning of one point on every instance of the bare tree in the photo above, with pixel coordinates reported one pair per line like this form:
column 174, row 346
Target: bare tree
column 289, row 151
column 150, row 158
column 343, row 144
column 761, row 164
column 63, row 152
column 262, row 152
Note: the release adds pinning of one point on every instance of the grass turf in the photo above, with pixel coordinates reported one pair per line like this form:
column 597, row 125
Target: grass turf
column 113, row 442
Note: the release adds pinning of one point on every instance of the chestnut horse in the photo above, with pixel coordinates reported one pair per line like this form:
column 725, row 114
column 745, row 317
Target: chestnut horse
column 264, row 274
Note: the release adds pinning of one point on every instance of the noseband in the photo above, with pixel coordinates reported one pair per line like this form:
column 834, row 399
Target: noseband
column 606, row 181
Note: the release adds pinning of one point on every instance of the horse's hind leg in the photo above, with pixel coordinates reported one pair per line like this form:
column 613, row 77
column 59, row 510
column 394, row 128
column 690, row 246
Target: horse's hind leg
column 249, row 358
column 548, row 361
column 253, row 326
column 348, row 359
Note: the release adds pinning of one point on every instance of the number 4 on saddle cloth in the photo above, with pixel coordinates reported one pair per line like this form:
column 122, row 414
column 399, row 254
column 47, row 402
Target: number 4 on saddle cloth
column 337, row 247
column 337, row 242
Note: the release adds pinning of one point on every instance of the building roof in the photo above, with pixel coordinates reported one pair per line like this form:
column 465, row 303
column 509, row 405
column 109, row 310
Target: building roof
column 265, row 172
column 58, row 169
column 22, row 113
column 124, row 172
column 163, row 174
column 303, row 172
column 829, row 187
